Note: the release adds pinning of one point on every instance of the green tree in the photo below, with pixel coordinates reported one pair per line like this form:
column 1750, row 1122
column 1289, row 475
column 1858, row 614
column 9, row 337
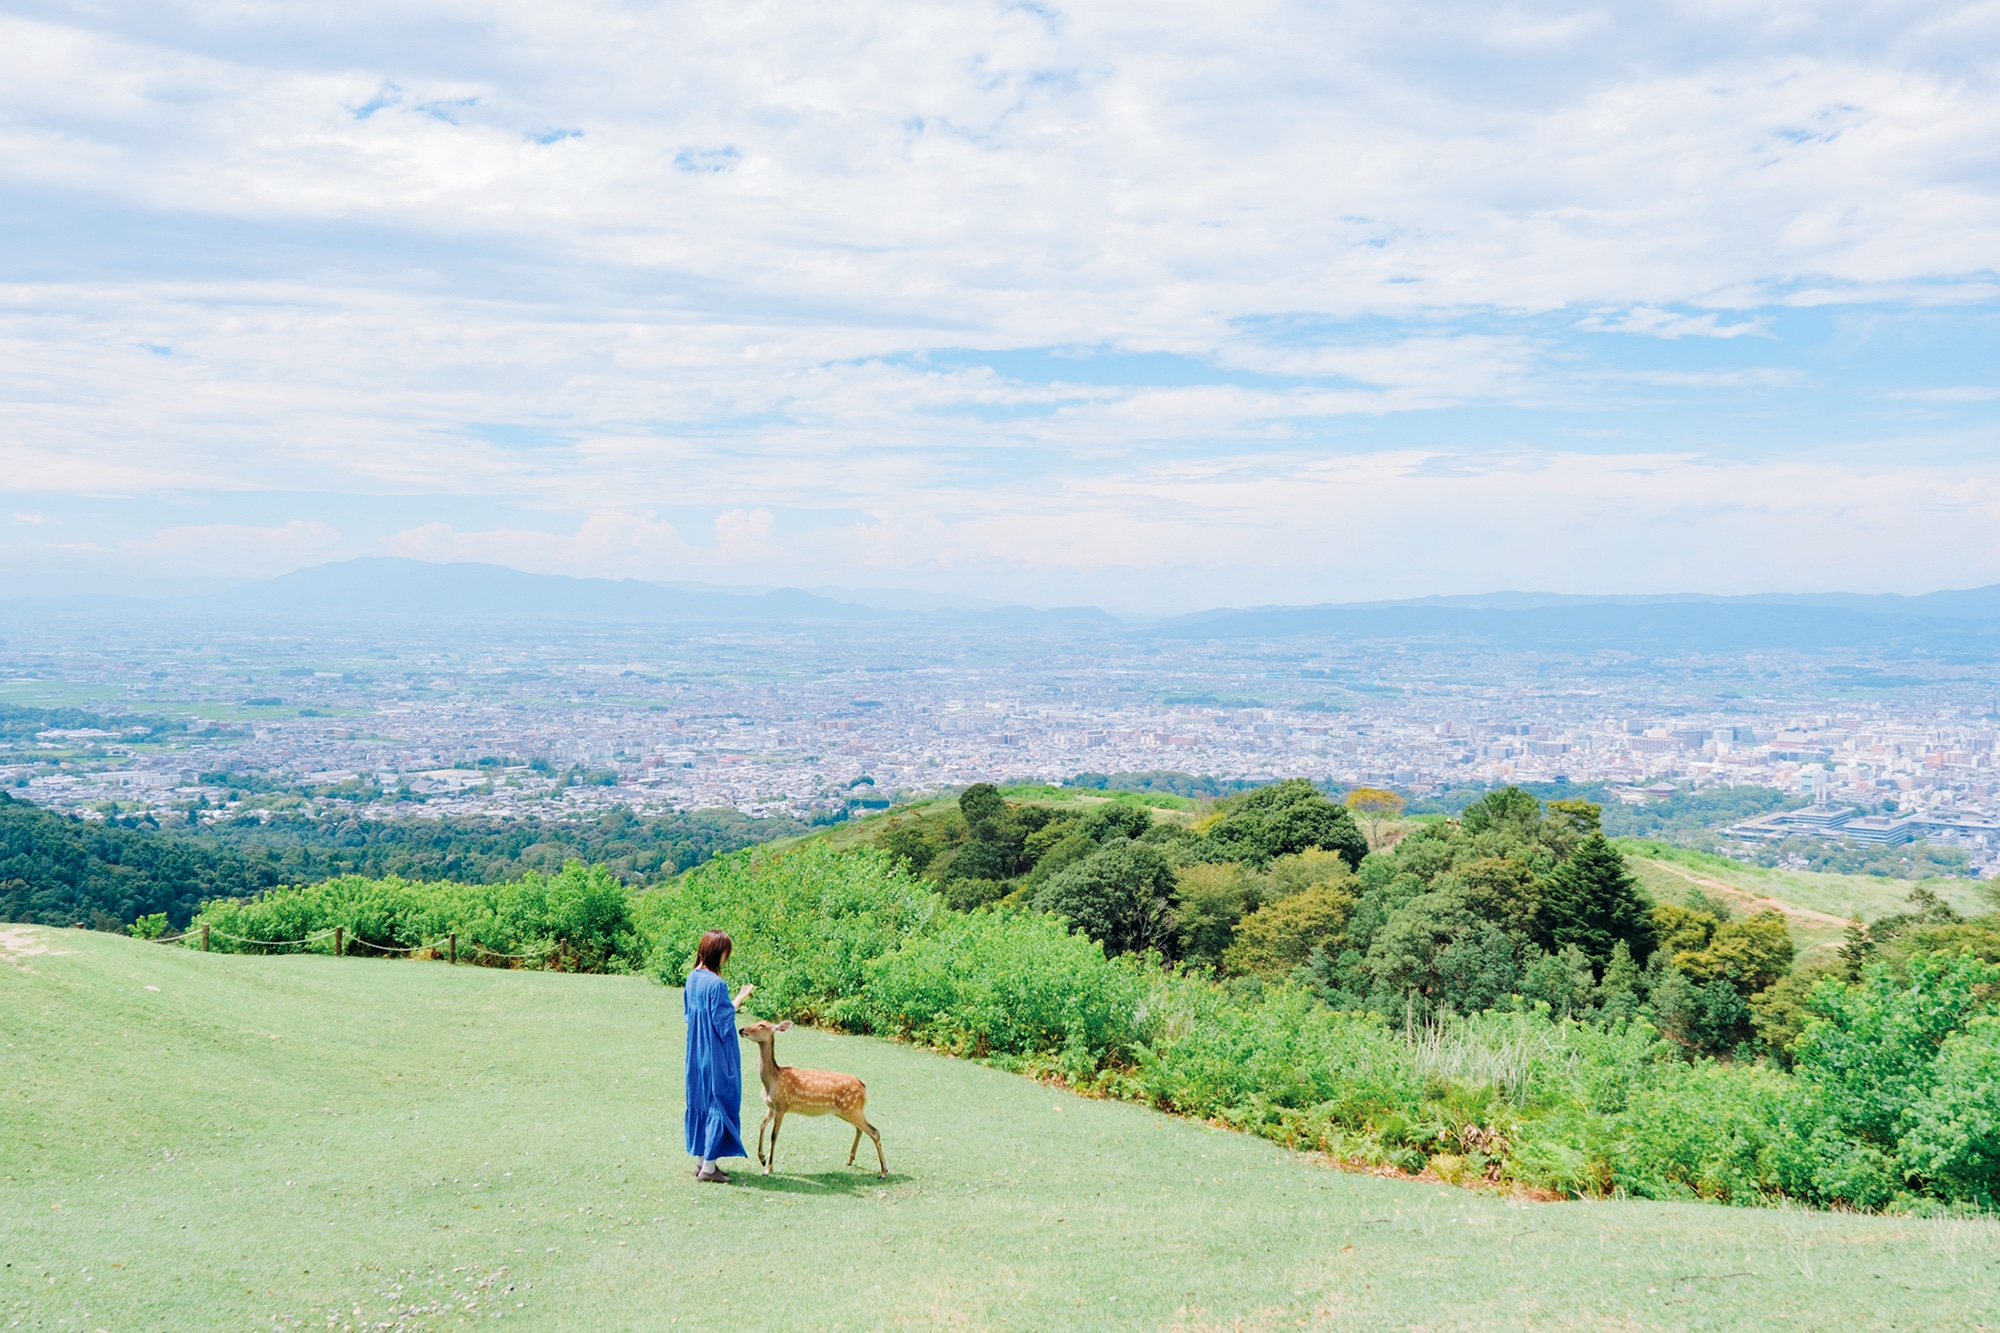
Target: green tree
column 984, row 808
column 1592, row 901
column 1680, row 929
column 1280, row 936
column 1779, row 1013
column 1750, row 955
column 1301, row 871
column 1209, row 900
column 996, row 833
column 1569, row 823
column 1951, row 1135
column 1562, row 980
column 1704, row 1017
column 1476, row 970
column 1121, row 895
column 1403, row 954
column 1282, row 818
column 1623, row 985
column 1507, row 808
column 910, row 841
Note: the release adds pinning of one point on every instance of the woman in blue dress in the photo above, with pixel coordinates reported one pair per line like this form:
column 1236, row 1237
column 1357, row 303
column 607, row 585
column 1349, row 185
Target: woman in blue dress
column 714, row 1060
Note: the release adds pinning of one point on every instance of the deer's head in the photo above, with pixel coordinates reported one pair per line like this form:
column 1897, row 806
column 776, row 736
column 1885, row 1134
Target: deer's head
column 763, row 1031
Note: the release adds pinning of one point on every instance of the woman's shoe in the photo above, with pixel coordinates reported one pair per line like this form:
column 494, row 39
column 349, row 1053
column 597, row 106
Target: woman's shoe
column 712, row 1174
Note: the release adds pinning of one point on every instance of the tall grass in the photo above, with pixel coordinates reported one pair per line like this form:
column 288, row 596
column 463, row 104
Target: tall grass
column 1511, row 1053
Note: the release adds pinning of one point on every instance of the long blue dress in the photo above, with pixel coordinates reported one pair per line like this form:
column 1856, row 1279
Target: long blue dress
column 714, row 1069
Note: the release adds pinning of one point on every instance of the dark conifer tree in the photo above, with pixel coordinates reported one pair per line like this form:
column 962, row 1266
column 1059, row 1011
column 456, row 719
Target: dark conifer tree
column 1592, row 901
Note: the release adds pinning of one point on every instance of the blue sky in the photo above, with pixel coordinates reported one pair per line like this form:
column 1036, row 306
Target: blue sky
column 1153, row 305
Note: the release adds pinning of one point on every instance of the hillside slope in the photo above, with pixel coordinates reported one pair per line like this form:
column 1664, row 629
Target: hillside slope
column 236, row 1142
column 1817, row 905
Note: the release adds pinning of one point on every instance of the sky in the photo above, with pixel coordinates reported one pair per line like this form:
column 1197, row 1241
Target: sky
column 1154, row 305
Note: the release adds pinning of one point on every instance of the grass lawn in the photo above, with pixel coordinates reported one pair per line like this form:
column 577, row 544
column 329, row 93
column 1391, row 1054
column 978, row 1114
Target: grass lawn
column 193, row 1141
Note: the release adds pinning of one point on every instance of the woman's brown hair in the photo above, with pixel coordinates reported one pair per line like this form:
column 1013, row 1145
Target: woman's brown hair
column 713, row 951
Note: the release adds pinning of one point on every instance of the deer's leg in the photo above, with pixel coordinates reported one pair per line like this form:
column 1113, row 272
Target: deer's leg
column 762, row 1125
column 882, row 1161
column 859, row 1119
column 777, row 1119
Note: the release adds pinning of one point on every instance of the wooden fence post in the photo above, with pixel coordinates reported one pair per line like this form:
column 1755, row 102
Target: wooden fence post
column 454, row 946
column 339, row 940
column 204, row 939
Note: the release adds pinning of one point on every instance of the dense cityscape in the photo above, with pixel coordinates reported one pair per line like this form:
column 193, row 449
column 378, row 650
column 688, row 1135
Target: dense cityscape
column 816, row 723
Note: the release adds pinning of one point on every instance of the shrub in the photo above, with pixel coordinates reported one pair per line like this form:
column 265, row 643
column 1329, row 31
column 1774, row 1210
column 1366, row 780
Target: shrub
column 1207, row 1054
column 1006, row 983
column 1584, row 1105
column 1952, row 1135
column 1870, row 1050
column 579, row 918
column 805, row 922
column 1708, row 1131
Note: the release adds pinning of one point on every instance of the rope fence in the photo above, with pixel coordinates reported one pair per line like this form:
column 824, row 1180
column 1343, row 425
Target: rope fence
column 448, row 943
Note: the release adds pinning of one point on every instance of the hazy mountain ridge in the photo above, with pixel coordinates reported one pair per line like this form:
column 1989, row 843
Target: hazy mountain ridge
column 394, row 587
column 1685, row 625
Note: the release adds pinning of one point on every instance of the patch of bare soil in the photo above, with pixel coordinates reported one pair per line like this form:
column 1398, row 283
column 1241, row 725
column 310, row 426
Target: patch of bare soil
column 19, row 942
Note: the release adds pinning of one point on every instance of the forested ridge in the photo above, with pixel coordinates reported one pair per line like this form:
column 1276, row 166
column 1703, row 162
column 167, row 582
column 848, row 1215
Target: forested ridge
column 21, row 722
column 62, row 870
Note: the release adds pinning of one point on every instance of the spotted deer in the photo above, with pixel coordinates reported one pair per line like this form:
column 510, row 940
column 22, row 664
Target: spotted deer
column 790, row 1091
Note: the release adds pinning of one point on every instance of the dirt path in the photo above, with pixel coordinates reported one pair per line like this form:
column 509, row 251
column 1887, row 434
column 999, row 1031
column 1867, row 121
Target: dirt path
column 1758, row 902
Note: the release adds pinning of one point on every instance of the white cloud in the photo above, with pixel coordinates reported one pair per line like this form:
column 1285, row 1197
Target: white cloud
column 747, row 262
column 1956, row 393
column 1668, row 324
column 609, row 543
column 231, row 548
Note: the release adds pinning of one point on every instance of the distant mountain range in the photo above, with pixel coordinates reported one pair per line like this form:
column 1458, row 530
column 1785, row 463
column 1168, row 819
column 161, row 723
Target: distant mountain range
column 400, row 589
column 1652, row 627
column 389, row 587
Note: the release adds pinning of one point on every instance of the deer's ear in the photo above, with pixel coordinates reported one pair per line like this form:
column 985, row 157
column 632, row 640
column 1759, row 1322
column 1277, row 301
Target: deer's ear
column 785, row 1026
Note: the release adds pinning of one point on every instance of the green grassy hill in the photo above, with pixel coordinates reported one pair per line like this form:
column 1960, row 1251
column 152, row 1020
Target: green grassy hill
column 193, row 1141
column 1819, row 905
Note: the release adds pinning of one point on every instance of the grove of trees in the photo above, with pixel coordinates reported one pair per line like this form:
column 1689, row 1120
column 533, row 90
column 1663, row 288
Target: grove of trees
column 1515, row 902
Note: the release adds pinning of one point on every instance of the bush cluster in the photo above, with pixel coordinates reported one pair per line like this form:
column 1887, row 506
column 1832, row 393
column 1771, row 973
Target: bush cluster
column 579, row 919
column 805, row 925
